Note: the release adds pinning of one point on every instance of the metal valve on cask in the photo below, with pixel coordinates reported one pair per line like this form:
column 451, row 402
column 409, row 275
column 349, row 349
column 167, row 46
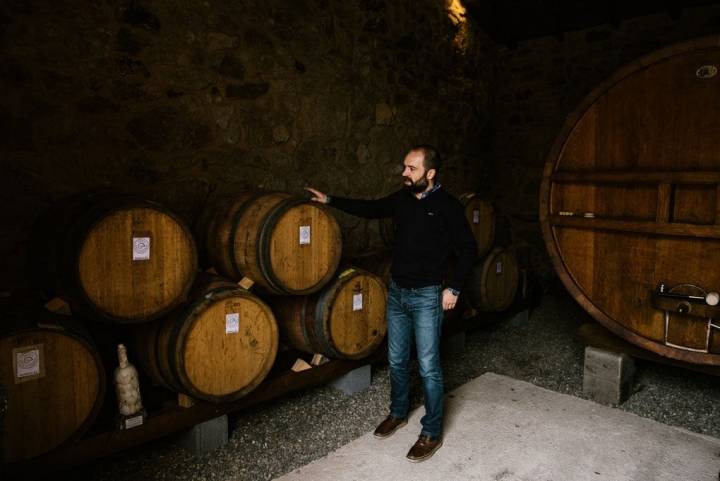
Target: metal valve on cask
column 687, row 303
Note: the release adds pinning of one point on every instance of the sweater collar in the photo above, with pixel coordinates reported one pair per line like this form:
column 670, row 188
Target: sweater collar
column 428, row 192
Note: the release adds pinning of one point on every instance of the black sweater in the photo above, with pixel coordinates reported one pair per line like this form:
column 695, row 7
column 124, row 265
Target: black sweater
column 426, row 231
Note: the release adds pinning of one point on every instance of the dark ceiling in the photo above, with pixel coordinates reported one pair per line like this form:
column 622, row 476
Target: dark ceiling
column 511, row 21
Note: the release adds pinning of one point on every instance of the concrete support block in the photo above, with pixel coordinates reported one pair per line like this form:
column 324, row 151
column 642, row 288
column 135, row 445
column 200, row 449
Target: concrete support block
column 453, row 344
column 607, row 376
column 206, row 436
column 353, row 381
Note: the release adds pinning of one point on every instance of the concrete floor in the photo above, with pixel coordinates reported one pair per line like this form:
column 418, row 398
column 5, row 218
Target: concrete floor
column 501, row 429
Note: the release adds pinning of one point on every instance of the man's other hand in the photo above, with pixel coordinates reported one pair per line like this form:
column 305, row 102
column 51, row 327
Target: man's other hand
column 448, row 300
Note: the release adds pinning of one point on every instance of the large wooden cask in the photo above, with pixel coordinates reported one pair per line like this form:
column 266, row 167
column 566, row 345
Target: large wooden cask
column 493, row 281
column 480, row 214
column 114, row 257
column 346, row 320
column 55, row 383
column 630, row 200
column 218, row 347
column 286, row 245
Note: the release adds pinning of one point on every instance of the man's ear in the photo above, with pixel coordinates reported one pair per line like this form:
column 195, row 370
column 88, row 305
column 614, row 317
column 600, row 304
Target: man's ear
column 430, row 174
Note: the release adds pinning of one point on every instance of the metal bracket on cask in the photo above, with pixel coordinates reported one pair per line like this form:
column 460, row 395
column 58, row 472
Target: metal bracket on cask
column 687, row 300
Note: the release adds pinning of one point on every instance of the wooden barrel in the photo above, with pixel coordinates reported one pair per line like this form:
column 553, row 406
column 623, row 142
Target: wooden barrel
column 55, row 383
column 346, row 320
column 630, row 199
column 114, row 257
column 480, row 214
column 218, row 347
column 493, row 281
column 286, row 245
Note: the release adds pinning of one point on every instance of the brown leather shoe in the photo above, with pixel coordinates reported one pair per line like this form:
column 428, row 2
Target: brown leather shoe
column 389, row 426
column 424, row 448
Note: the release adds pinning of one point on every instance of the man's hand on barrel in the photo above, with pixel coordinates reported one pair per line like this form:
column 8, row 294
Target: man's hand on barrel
column 317, row 196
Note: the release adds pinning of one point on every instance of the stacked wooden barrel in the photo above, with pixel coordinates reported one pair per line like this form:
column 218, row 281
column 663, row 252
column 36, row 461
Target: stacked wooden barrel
column 55, row 383
column 291, row 248
column 493, row 282
column 132, row 264
column 288, row 246
column 480, row 214
column 114, row 257
column 346, row 320
column 218, row 347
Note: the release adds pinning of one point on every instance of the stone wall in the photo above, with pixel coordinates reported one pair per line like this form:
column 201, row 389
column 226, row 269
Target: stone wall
column 542, row 81
column 183, row 100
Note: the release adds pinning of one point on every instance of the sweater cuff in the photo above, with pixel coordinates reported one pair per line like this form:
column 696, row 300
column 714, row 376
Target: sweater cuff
column 454, row 291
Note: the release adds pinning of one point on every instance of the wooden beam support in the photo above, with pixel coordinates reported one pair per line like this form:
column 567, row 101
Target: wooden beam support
column 663, row 203
column 646, row 227
column 638, row 177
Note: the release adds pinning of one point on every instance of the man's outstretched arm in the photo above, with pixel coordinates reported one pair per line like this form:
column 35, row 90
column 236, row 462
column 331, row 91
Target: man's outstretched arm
column 370, row 209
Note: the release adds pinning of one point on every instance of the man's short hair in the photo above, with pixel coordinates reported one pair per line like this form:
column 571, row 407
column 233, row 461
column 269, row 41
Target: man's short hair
column 431, row 158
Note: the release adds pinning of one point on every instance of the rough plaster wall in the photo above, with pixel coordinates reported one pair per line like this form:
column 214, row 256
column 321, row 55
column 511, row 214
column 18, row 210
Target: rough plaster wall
column 543, row 80
column 180, row 101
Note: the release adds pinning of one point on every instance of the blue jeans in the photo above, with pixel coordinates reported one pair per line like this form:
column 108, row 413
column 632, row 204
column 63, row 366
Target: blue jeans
column 418, row 312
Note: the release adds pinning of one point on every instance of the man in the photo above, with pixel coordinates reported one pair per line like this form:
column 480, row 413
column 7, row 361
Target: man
column 429, row 224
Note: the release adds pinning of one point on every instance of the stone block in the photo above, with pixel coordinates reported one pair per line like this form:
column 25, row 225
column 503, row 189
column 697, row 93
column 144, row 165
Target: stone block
column 353, row 381
column 206, row 436
column 607, row 376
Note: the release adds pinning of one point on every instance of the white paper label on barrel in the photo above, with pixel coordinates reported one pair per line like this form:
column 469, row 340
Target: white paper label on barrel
column 304, row 235
column 232, row 323
column 141, row 248
column 27, row 363
column 357, row 301
column 476, row 216
column 498, row 267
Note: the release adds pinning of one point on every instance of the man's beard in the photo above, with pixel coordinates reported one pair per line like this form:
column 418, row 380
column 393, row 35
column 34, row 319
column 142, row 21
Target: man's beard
column 418, row 186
